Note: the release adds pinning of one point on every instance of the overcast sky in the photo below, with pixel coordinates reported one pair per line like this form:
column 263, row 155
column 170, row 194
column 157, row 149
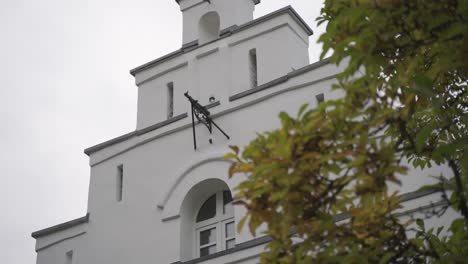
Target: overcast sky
column 65, row 86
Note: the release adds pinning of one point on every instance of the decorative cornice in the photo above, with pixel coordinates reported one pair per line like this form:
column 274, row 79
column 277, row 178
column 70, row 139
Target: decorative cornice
column 271, row 84
column 161, row 124
column 156, row 76
column 130, row 135
column 281, row 79
column 404, row 198
column 140, row 132
column 109, row 143
column 204, row 54
column 60, row 241
column 61, row 227
column 181, row 174
column 226, row 33
column 239, row 247
column 266, row 239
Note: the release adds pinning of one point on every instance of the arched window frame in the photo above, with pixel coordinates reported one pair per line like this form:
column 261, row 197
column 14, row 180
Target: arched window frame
column 223, row 223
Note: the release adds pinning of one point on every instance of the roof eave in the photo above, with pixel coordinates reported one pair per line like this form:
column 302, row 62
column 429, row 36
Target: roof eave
column 234, row 29
column 61, row 227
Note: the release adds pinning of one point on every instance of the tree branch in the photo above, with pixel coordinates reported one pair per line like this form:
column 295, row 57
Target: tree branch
column 459, row 190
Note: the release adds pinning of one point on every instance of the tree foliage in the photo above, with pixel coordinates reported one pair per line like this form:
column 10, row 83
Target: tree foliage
column 320, row 181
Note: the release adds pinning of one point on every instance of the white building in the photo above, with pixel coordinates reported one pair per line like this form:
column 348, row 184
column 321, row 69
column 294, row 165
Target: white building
column 152, row 197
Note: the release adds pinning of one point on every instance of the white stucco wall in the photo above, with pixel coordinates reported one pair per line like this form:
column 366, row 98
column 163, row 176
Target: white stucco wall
column 221, row 68
column 58, row 252
column 53, row 248
column 161, row 167
column 162, row 171
column 231, row 13
column 152, row 96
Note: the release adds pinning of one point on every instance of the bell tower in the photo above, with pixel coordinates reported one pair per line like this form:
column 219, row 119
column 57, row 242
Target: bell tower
column 203, row 20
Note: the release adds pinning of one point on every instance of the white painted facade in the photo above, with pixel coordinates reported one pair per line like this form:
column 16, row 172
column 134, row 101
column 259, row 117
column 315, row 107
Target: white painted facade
column 147, row 186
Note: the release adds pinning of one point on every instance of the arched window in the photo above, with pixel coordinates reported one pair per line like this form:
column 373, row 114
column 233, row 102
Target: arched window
column 214, row 224
column 208, row 27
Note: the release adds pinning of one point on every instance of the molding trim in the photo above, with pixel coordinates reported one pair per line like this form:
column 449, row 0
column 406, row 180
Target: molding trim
column 232, row 44
column 287, row 9
column 207, row 53
column 406, row 197
column 238, row 247
column 109, row 143
column 228, row 31
column 60, row 241
column 244, row 259
column 194, row 5
column 213, row 105
column 157, row 61
column 222, row 113
column 130, row 135
column 190, row 46
column 170, row 218
column 282, row 79
column 423, row 208
column 182, row 173
column 60, row 227
column 181, row 65
column 416, row 194
column 235, row 29
column 161, row 124
column 265, row 239
column 278, row 81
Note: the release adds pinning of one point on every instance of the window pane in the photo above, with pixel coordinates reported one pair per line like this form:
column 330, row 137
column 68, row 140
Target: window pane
column 227, row 202
column 230, row 230
column 208, row 236
column 231, row 243
column 207, row 251
column 208, row 209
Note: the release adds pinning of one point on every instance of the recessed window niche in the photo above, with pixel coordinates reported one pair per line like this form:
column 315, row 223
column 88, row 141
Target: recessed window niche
column 208, row 27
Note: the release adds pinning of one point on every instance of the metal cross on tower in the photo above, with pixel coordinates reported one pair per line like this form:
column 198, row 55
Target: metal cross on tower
column 203, row 116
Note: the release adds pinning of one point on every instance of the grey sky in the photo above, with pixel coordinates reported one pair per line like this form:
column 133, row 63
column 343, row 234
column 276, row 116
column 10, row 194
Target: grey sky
column 65, row 86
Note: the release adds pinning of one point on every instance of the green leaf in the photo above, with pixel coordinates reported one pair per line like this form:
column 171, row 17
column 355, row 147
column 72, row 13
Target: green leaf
column 455, row 201
column 230, row 156
column 457, row 225
column 446, row 150
column 404, row 63
column 422, row 137
column 438, row 21
column 241, row 224
column 386, row 257
column 420, row 223
column 285, row 120
column 235, row 149
column 302, row 110
column 454, row 30
column 423, row 86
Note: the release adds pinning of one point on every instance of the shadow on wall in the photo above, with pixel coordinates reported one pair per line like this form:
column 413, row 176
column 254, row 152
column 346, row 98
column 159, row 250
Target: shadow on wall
column 193, row 201
column 208, row 27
